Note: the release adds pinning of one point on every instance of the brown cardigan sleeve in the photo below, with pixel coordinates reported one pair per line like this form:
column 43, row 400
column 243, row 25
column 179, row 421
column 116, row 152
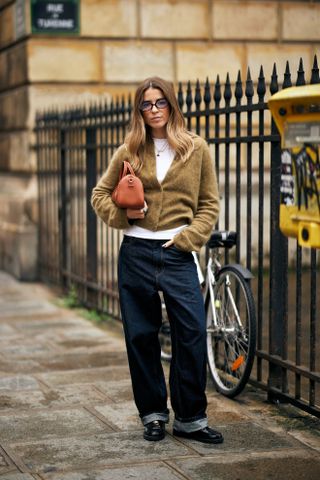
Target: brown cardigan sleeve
column 101, row 200
column 198, row 232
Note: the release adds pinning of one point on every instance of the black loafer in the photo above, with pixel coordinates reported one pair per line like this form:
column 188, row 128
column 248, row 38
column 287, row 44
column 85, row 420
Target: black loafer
column 205, row 435
column 154, row 431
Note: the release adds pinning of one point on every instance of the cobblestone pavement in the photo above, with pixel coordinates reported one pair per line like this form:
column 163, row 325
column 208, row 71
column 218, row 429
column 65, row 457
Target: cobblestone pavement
column 66, row 409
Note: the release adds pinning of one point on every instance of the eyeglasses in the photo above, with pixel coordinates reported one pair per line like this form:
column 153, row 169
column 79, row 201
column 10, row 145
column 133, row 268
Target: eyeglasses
column 147, row 106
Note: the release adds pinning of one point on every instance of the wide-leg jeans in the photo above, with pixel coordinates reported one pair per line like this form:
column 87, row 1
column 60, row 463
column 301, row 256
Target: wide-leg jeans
column 145, row 268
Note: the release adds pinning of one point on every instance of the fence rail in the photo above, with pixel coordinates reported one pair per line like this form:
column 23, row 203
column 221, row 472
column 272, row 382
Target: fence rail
column 74, row 147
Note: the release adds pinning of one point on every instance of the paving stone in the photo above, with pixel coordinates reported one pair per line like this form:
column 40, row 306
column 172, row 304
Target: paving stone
column 119, row 391
column 154, row 471
column 98, row 450
column 239, row 437
column 46, row 323
column 16, row 476
column 21, row 426
column 91, row 375
column 20, row 366
column 23, row 348
column 66, row 396
column 124, row 415
column 27, row 308
column 18, row 382
column 218, row 415
column 252, row 469
column 6, row 329
column 83, row 360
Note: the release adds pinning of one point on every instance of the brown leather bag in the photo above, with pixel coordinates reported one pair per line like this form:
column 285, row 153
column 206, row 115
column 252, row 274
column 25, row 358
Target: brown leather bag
column 129, row 191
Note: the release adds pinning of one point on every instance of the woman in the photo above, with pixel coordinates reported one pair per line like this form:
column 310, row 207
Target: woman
column 181, row 208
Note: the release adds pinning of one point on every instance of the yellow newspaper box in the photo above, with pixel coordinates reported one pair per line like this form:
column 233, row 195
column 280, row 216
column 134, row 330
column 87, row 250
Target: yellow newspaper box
column 296, row 112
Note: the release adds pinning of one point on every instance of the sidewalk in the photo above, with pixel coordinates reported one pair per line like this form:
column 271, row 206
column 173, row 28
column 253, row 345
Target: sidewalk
column 66, row 409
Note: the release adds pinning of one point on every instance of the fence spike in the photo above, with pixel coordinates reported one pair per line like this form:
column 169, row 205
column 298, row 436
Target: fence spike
column 189, row 95
column 274, row 87
column 300, row 77
column 227, row 91
column 180, row 96
column 238, row 90
column 287, row 77
column 315, row 71
column 261, row 87
column 207, row 93
column 197, row 97
column 217, row 92
column 249, row 92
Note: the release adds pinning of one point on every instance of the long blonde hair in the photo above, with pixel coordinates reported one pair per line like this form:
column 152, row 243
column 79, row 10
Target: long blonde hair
column 179, row 139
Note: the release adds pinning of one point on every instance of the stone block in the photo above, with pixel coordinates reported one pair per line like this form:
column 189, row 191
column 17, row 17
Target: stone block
column 154, row 471
column 63, row 60
column 300, row 21
column 134, row 61
column 17, row 65
column 179, row 19
column 114, row 18
column 199, row 61
column 18, row 232
column 294, row 465
column 7, row 26
column 48, row 424
column 13, row 66
column 113, row 449
column 4, row 151
column 14, row 108
column 245, row 20
column 15, row 151
column 268, row 54
column 18, row 250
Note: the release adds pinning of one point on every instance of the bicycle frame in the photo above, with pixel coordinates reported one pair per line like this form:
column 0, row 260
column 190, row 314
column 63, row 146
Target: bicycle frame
column 209, row 287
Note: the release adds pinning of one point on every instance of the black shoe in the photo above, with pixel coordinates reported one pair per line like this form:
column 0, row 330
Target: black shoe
column 154, row 431
column 205, row 435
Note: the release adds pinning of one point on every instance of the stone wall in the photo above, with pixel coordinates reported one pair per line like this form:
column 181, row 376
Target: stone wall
column 120, row 43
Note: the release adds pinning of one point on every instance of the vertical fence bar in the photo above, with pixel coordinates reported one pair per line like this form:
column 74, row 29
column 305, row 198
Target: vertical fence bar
column 249, row 94
column 313, row 308
column 261, row 91
column 63, row 236
column 227, row 97
column 278, row 264
column 238, row 95
column 91, row 244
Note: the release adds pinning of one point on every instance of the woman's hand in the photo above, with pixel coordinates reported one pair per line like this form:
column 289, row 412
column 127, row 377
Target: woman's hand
column 168, row 244
column 134, row 214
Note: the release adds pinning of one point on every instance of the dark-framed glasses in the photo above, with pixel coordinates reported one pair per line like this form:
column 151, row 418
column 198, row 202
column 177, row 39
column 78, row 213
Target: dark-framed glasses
column 160, row 104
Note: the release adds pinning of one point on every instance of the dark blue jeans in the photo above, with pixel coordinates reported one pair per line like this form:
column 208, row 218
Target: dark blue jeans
column 145, row 268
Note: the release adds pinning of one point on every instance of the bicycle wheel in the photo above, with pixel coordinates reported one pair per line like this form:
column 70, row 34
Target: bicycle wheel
column 231, row 339
column 165, row 336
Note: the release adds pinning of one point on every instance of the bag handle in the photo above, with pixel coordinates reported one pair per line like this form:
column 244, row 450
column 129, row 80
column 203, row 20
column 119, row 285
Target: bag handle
column 126, row 170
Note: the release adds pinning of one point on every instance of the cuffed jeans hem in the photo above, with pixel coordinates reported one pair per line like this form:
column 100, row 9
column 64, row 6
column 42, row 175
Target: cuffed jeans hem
column 189, row 427
column 162, row 417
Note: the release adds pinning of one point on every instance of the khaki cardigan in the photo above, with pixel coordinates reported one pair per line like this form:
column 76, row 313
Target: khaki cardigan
column 187, row 195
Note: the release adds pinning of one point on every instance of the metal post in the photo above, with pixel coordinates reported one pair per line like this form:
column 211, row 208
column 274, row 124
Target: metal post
column 63, row 201
column 91, row 178
column 278, row 279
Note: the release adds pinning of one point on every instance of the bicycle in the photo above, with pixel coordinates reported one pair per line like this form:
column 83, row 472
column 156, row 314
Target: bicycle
column 231, row 319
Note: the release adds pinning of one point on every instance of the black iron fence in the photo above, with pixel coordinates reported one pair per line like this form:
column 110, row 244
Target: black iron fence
column 79, row 252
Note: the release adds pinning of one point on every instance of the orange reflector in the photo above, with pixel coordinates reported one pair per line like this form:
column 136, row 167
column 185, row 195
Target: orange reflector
column 237, row 363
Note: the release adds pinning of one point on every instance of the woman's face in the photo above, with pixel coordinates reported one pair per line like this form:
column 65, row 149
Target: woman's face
column 156, row 118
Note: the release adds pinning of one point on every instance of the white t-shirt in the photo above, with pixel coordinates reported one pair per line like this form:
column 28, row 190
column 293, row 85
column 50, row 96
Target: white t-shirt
column 164, row 158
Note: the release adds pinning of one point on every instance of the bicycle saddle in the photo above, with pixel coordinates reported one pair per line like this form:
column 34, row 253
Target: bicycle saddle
column 222, row 239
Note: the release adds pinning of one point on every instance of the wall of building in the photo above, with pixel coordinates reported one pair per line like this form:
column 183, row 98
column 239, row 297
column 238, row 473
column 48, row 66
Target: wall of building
column 120, row 43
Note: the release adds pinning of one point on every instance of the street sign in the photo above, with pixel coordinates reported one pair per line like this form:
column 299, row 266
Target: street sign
column 57, row 17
